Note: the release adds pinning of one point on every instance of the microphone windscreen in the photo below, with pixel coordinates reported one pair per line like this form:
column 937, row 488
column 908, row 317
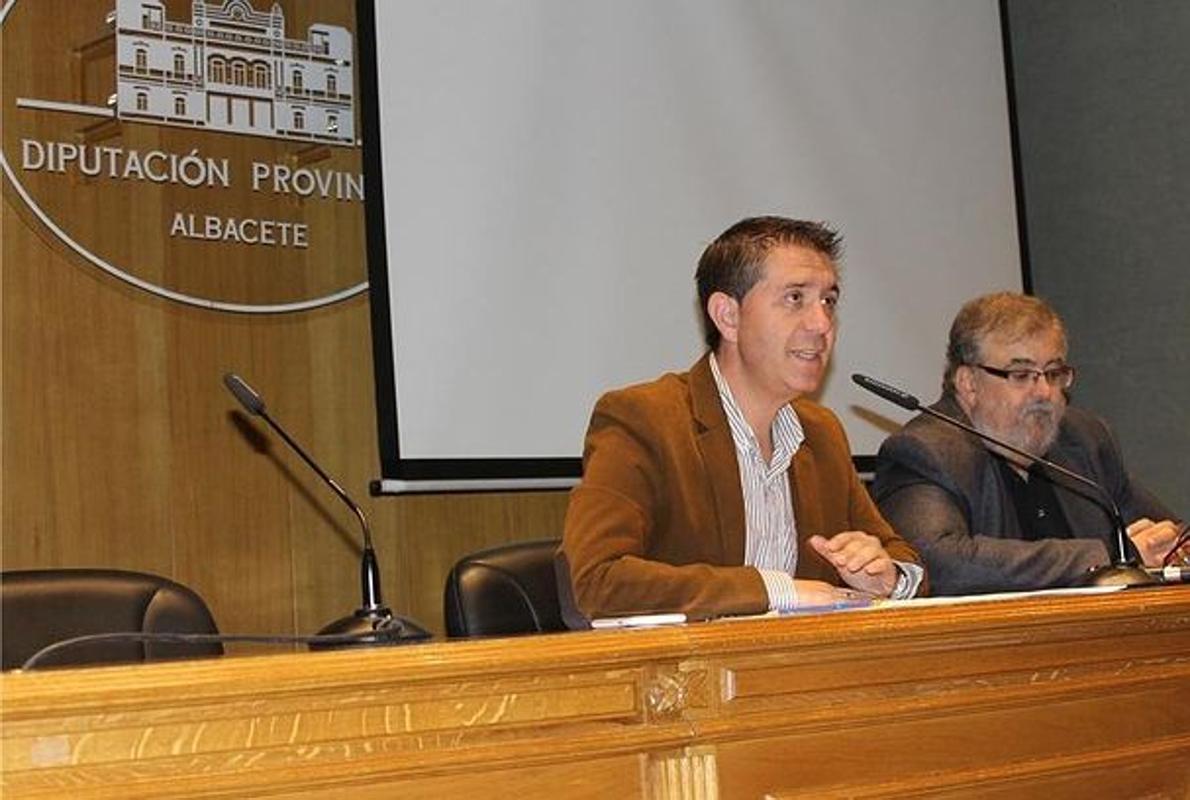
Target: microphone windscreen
column 248, row 398
column 889, row 393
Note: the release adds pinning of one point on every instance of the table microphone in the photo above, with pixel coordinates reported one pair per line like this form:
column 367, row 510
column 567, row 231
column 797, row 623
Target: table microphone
column 1122, row 572
column 372, row 617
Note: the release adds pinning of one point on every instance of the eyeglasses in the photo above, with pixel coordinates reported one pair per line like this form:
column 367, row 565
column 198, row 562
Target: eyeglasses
column 1020, row 377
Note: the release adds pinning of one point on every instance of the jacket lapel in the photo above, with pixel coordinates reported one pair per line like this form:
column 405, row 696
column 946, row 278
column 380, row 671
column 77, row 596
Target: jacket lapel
column 1080, row 504
column 803, row 477
column 809, row 512
column 717, row 450
column 993, row 508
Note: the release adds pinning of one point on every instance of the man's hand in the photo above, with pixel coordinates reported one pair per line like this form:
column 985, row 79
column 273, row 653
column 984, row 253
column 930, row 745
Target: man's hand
column 1153, row 539
column 820, row 594
column 860, row 560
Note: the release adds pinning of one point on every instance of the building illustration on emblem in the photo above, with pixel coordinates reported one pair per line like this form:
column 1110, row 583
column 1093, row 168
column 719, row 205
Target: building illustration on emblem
column 232, row 69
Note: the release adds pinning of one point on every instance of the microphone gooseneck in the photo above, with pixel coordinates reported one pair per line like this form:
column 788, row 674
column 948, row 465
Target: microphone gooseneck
column 252, row 403
column 372, row 615
column 1123, row 571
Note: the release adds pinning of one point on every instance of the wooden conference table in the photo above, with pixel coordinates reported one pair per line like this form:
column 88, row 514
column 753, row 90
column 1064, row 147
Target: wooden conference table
column 1048, row 696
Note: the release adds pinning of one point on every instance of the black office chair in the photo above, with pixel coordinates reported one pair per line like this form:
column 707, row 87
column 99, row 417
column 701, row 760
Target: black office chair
column 41, row 607
column 504, row 590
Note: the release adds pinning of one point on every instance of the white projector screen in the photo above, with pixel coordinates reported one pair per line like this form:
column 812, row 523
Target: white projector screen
column 543, row 175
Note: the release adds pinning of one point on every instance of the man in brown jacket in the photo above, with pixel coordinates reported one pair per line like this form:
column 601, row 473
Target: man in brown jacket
column 719, row 491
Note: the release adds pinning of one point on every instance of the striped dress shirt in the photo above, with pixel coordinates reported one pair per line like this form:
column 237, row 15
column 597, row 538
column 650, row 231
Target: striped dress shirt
column 770, row 529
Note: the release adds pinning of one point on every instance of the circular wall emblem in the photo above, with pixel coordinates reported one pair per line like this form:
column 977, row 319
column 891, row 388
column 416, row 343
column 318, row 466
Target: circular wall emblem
column 205, row 152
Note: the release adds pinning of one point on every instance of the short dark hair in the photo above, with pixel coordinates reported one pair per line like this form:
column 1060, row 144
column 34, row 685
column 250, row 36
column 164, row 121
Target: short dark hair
column 734, row 262
column 1008, row 314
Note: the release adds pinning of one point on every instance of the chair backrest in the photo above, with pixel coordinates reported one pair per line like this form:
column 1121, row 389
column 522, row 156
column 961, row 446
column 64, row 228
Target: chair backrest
column 41, row 607
column 504, row 590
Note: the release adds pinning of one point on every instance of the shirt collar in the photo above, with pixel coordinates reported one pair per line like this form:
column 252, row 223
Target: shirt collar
column 786, row 431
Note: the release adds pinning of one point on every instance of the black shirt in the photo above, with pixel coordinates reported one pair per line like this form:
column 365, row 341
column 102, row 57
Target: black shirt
column 1036, row 504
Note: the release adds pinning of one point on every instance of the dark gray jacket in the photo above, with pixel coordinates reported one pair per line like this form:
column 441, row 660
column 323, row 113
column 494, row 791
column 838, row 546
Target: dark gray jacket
column 942, row 491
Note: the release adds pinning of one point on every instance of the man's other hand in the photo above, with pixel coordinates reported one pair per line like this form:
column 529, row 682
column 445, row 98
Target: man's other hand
column 1153, row 539
column 860, row 560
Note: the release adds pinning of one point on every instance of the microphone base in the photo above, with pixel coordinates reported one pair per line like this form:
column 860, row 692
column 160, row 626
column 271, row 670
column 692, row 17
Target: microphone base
column 376, row 627
column 1125, row 574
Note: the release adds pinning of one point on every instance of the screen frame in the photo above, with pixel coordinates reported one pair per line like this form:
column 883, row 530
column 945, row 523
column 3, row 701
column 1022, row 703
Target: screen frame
column 400, row 475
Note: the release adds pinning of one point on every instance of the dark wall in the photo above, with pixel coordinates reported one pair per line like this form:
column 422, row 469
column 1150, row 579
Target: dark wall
column 1102, row 92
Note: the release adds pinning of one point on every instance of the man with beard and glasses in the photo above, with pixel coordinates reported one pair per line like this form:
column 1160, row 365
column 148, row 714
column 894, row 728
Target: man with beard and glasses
column 984, row 519
column 720, row 490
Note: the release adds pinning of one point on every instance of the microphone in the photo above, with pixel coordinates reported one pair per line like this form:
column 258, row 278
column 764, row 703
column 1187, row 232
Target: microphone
column 1122, row 572
column 372, row 623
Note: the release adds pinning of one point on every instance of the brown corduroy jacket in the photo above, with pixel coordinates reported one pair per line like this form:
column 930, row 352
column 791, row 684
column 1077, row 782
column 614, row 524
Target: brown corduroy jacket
column 657, row 522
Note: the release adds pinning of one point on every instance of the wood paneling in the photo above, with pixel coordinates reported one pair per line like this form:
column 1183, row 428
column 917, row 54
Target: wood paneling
column 121, row 447
column 1045, row 697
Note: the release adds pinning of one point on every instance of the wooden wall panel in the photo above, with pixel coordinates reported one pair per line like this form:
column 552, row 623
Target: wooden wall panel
column 72, row 417
column 122, row 448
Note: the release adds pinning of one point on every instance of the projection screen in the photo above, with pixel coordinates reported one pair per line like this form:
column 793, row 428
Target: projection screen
column 542, row 177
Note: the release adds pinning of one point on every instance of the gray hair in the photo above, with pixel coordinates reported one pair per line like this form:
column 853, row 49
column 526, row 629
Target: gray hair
column 1008, row 314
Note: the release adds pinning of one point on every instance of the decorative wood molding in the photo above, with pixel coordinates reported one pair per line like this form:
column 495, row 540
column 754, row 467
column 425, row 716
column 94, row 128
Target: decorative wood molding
column 689, row 773
column 677, row 690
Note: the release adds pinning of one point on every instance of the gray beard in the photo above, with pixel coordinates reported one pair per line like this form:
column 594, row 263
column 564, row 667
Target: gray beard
column 1017, row 439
